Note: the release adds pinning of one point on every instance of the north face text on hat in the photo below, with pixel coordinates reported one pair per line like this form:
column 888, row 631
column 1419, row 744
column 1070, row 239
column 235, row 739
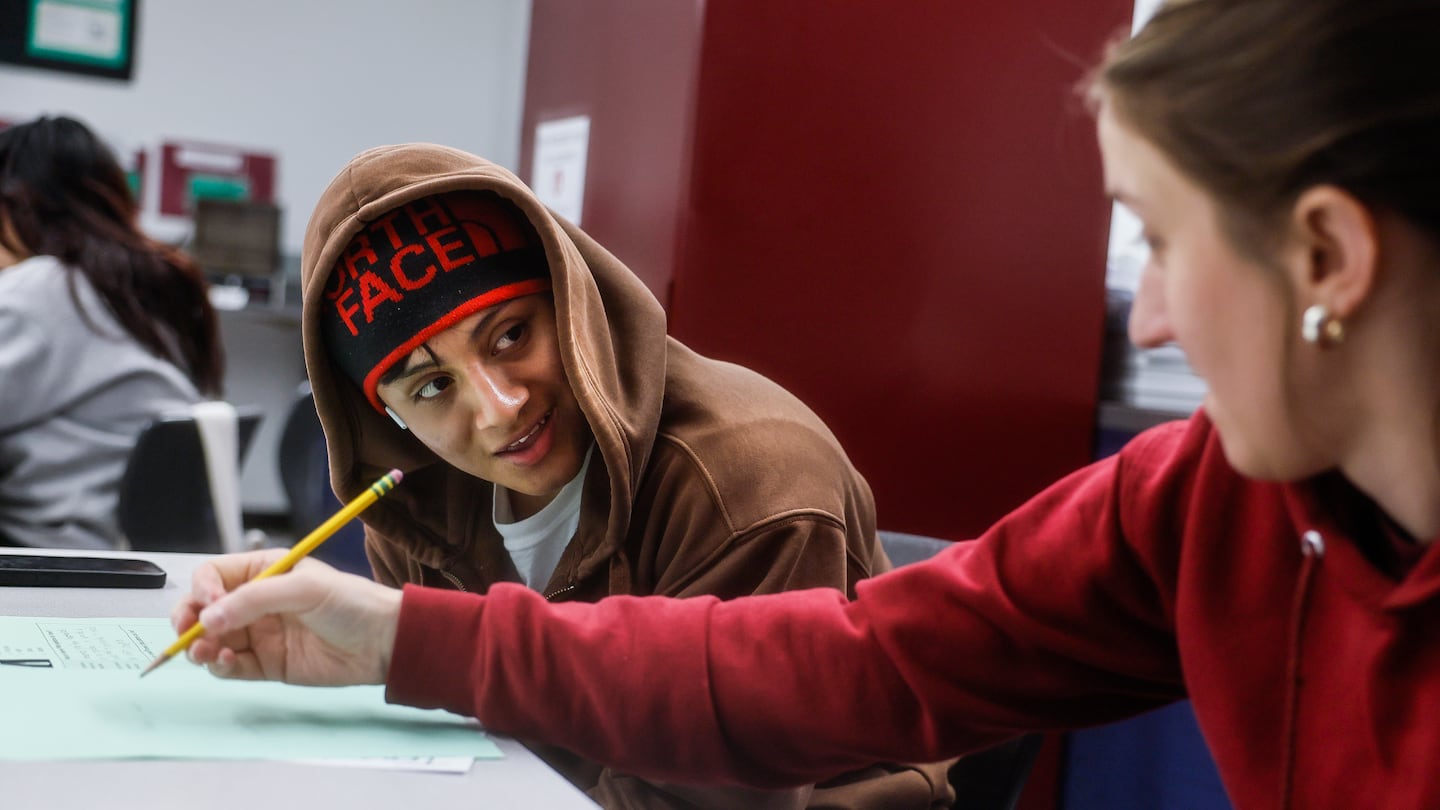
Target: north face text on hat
column 407, row 249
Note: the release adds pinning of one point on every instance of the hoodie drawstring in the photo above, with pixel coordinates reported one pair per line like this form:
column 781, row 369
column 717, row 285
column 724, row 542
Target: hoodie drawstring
column 1312, row 547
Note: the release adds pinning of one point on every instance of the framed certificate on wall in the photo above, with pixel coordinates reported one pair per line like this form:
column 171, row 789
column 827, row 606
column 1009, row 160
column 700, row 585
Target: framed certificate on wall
column 91, row 37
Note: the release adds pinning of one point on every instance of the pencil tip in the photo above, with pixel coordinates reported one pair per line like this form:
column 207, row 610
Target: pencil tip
column 162, row 658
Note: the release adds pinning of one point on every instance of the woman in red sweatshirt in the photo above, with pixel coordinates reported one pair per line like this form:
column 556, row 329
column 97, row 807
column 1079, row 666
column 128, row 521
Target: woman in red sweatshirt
column 1271, row 558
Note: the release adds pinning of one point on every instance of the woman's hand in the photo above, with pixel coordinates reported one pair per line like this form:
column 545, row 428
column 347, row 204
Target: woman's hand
column 313, row 625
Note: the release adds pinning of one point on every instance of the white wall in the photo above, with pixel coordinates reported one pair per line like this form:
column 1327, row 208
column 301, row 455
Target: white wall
column 314, row 81
column 1128, row 253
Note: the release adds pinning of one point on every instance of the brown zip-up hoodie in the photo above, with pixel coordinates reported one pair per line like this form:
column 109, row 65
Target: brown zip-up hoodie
column 714, row 479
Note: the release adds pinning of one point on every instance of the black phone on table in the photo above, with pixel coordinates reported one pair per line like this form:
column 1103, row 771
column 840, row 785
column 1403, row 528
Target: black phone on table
column 53, row 571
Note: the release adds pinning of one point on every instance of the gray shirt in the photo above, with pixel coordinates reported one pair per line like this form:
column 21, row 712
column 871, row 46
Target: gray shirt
column 74, row 393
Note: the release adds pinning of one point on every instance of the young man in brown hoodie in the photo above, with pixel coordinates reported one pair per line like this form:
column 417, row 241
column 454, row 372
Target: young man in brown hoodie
column 551, row 432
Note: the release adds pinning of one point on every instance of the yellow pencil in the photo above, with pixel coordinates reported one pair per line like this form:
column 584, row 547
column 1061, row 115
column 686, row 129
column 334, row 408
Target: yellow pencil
column 297, row 553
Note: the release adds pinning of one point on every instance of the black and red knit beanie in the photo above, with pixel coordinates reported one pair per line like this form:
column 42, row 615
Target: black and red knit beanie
column 418, row 270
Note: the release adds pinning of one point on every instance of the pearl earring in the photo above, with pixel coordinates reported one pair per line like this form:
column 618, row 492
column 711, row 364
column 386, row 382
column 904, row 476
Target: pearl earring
column 1316, row 324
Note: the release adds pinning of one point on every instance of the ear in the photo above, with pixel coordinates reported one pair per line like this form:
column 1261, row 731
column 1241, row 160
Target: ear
column 1339, row 250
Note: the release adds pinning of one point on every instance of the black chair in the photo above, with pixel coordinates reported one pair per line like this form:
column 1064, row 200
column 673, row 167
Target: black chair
column 992, row 779
column 165, row 492
column 305, row 477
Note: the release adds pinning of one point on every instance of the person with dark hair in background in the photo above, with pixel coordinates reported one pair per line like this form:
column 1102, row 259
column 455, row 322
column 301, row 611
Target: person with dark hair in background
column 102, row 329
column 1273, row 558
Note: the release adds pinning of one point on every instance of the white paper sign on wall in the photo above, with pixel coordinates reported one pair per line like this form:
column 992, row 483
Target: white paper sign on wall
column 558, row 173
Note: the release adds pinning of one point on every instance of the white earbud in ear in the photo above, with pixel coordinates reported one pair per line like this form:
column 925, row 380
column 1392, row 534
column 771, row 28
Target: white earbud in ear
column 396, row 417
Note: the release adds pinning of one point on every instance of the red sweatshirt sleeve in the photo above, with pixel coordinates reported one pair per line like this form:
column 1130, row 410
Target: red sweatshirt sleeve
column 1052, row 620
column 624, row 682
column 625, row 667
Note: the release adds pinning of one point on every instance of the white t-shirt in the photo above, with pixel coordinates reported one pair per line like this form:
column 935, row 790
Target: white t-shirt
column 536, row 543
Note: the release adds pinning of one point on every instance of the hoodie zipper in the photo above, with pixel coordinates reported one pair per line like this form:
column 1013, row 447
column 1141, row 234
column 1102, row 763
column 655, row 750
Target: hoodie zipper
column 460, row 586
column 1312, row 547
column 550, row 597
column 454, row 580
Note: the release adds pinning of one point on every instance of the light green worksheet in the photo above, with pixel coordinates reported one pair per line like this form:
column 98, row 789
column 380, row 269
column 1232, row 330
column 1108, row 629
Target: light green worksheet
column 70, row 689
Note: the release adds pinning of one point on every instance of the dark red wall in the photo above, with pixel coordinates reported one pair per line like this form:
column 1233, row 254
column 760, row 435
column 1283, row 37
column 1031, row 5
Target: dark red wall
column 893, row 209
column 630, row 65
column 896, row 210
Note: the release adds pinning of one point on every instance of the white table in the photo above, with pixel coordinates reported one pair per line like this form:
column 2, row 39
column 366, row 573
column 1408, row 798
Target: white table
column 519, row 780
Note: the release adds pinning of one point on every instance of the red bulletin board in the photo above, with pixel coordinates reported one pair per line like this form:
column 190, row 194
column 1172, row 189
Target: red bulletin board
column 182, row 161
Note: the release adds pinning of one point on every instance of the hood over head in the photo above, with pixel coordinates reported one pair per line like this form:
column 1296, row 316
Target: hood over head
column 420, row 269
column 610, row 327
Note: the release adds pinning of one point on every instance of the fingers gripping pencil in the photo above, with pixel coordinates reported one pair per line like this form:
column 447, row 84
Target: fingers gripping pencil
column 297, row 552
